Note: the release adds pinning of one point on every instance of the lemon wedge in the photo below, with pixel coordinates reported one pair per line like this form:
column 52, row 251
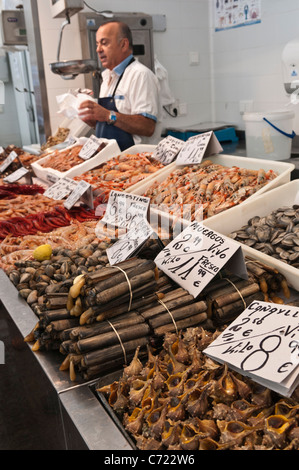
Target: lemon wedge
column 42, row 252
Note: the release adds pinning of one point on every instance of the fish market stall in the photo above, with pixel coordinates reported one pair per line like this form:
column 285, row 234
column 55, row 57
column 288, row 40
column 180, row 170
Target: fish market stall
column 119, row 347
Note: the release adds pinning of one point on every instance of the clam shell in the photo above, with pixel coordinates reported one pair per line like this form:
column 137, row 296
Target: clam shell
column 263, row 233
column 65, row 268
column 32, row 297
column 15, row 277
column 25, row 293
column 50, row 270
column 26, row 277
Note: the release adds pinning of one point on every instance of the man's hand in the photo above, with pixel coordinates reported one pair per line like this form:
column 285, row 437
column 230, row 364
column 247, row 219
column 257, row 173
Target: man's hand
column 91, row 112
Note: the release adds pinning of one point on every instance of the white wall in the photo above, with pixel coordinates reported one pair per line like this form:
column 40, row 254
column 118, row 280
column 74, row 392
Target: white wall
column 234, row 65
column 247, row 63
column 187, row 31
column 9, row 125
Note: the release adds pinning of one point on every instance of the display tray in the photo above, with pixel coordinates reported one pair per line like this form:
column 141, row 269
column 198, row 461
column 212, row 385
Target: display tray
column 235, row 218
column 111, row 150
column 283, row 170
column 107, row 380
column 134, row 150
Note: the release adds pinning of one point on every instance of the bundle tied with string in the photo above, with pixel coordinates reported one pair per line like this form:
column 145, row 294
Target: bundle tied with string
column 129, row 305
column 111, row 312
column 228, row 296
column 114, row 289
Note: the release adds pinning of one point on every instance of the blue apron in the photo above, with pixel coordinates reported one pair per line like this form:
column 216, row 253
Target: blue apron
column 104, row 130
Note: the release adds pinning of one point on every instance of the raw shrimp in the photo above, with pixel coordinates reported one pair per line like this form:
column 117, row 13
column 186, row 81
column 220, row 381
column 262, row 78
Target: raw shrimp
column 120, row 173
column 215, row 187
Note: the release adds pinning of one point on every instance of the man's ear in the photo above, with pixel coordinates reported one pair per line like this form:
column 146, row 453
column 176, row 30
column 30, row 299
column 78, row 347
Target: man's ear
column 125, row 44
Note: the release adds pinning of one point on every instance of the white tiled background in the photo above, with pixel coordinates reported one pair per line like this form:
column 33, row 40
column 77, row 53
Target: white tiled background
column 234, row 65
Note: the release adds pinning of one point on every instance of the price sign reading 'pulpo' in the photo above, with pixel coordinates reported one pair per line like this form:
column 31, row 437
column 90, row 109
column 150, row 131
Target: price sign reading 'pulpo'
column 195, row 257
column 263, row 344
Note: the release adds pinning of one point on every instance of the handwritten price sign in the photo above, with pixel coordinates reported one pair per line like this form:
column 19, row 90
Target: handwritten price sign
column 61, row 189
column 262, row 343
column 197, row 255
column 167, row 150
column 126, row 210
column 90, row 148
column 130, row 243
column 82, row 190
column 8, row 161
column 197, row 147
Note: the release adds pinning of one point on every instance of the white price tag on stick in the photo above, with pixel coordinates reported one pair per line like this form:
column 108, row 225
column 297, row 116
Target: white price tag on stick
column 125, row 210
column 197, row 147
column 128, row 245
column 263, row 344
column 82, row 190
column 197, row 255
column 90, row 148
column 167, row 150
column 8, row 161
column 17, row 175
column 61, row 189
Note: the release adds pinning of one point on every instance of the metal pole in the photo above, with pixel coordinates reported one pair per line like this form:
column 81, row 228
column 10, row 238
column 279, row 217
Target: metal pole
column 37, row 68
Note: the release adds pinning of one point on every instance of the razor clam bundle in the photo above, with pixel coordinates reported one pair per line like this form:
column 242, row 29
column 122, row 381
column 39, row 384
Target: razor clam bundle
column 104, row 324
column 227, row 296
column 97, row 324
column 180, row 399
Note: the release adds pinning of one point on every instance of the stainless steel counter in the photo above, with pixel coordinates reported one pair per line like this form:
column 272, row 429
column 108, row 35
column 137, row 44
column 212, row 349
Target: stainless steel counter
column 83, row 422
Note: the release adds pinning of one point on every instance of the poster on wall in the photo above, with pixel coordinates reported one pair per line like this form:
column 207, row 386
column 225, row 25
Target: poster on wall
column 236, row 13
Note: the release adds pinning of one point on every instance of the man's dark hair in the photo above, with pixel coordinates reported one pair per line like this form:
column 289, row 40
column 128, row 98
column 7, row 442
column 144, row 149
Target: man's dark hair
column 124, row 31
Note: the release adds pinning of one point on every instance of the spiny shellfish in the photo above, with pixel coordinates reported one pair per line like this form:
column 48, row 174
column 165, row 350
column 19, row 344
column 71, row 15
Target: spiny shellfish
column 211, row 408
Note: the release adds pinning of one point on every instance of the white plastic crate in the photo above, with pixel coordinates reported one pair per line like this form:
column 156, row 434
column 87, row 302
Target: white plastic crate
column 111, row 150
column 233, row 219
column 282, row 169
column 134, row 150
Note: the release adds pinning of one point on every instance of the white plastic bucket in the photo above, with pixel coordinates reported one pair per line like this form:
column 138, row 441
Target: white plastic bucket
column 269, row 135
